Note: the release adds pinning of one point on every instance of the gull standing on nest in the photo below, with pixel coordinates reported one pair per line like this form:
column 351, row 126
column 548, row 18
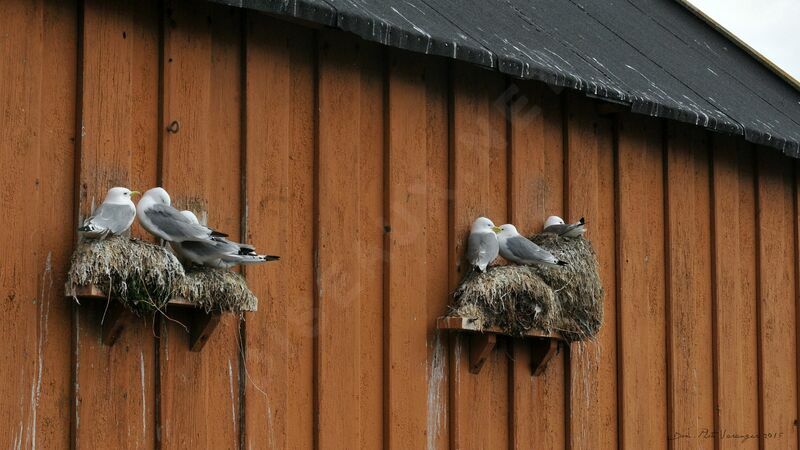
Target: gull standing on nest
column 482, row 246
column 518, row 249
column 556, row 225
column 113, row 217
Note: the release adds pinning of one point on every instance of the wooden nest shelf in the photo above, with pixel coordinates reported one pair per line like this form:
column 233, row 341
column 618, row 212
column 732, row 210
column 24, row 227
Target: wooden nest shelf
column 482, row 341
column 117, row 317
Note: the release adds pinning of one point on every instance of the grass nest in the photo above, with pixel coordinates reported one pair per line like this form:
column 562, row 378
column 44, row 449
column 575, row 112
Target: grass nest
column 216, row 289
column 139, row 274
column 567, row 299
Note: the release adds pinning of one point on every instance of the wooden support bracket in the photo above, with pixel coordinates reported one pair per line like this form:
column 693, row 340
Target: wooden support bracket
column 115, row 319
column 117, row 316
column 480, row 346
column 482, row 341
column 203, row 325
column 542, row 351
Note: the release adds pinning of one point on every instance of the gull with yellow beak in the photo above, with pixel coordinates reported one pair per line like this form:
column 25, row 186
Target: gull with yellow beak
column 482, row 246
column 113, row 217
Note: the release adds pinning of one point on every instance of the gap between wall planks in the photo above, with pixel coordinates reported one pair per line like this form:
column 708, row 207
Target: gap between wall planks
column 37, row 151
column 280, row 144
column 536, row 190
column 590, row 188
column 118, row 147
column 350, row 279
column 199, row 404
column 478, row 404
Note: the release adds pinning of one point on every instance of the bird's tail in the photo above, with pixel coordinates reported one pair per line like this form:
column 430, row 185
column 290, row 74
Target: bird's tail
column 561, row 263
column 249, row 259
column 249, row 250
column 581, row 221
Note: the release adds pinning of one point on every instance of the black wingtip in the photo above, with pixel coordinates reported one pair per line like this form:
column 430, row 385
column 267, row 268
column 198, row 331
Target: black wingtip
column 271, row 258
column 215, row 233
column 562, row 263
column 582, row 222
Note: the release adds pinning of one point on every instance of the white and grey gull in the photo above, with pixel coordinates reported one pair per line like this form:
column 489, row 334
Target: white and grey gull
column 218, row 252
column 482, row 245
column 192, row 240
column 519, row 249
column 113, row 217
column 556, row 225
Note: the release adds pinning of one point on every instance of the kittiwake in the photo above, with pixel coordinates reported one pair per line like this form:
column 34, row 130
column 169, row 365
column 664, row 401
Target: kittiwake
column 218, row 252
column 482, row 247
column 113, row 217
column 556, row 225
column 518, row 249
column 159, row 218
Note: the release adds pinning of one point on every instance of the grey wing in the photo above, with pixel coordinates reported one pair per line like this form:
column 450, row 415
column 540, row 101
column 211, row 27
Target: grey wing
column 116, row 218
column 561, row 229
column 529, row 252
column 213, row 248
column 174, row 226
column 219, row 253
column 482, row 248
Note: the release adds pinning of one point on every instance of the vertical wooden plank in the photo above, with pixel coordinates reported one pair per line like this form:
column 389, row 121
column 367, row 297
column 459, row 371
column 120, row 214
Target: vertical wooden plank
column 350, row 244
column 201, row 171
column 640, row 289
column 735, row 290
column 590, row 194
column 776, row 295
column 280, row 220
column 417, row 183
column 479, row 403
column 437, row 261
column 537, row 191
column 119, row 147
column 689, row 272
column 37, row 154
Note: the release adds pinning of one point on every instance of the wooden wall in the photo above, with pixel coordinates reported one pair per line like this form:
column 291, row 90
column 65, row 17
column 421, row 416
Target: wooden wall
column 363, row 167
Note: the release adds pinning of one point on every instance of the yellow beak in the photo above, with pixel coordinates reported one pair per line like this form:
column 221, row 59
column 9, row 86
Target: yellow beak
column 135, row 193
column 497, row 229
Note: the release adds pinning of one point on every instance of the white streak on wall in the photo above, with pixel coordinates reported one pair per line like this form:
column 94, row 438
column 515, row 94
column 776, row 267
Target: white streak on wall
column 435, row 380
column 41, row 330
column 233, row 402
column 144, row 400
column 77, row 375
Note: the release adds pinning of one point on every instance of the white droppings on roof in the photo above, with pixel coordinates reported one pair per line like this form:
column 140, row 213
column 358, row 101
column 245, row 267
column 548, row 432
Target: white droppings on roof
column 418, row 29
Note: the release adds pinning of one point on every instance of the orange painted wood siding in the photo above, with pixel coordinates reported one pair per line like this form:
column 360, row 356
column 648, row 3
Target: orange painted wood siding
column 363, row 167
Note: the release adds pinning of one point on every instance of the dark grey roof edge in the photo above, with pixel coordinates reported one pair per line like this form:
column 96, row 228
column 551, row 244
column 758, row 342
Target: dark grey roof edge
column 374, row 28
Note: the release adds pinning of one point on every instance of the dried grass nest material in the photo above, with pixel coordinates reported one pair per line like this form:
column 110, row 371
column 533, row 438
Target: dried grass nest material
column 137, row 273
column 568, row 300
column 144, row 277
column 216, row 289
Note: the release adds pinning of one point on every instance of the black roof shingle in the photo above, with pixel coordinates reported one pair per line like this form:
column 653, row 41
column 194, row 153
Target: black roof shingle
column 654, row 55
